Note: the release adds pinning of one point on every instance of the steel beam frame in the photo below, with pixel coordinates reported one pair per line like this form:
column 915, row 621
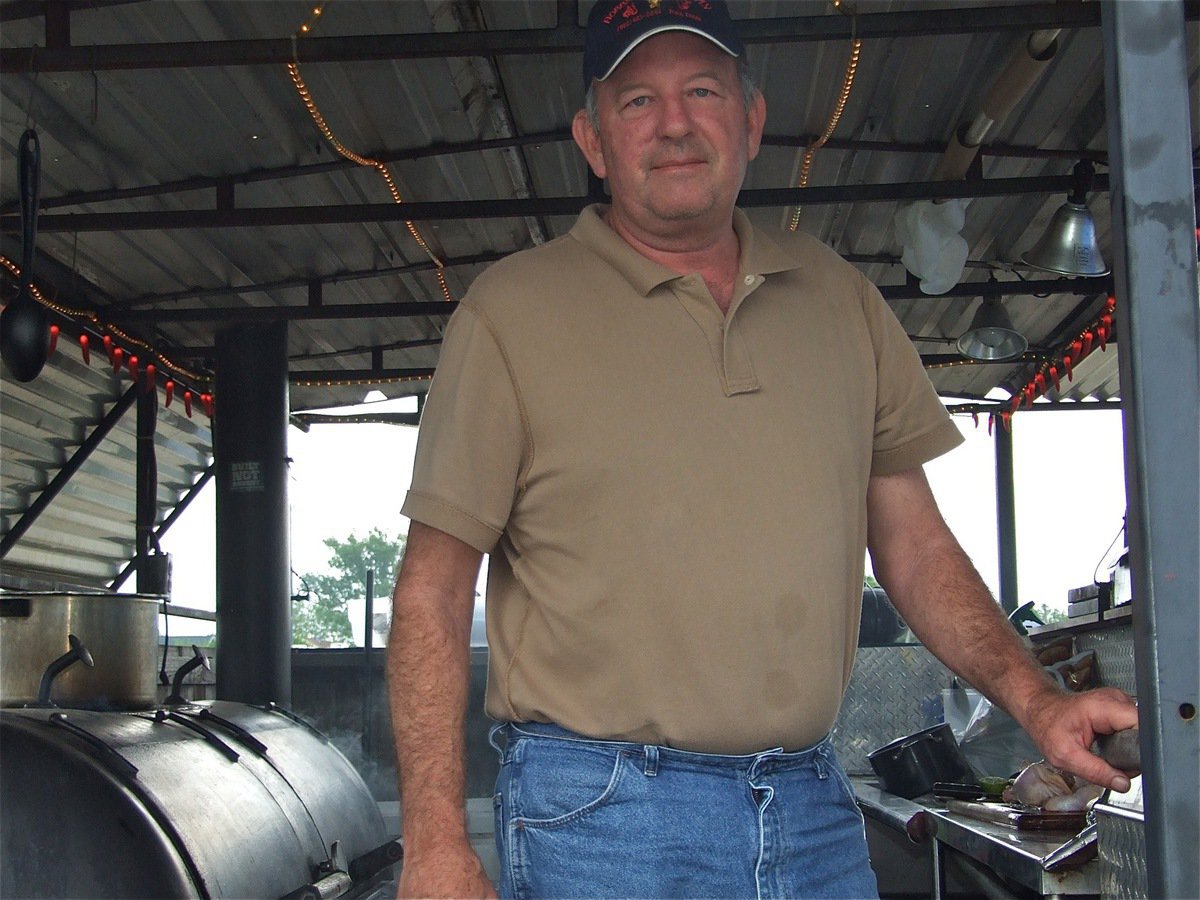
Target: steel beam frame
column 73, row 465
column 1154, row 229
column 192, row 492
column 565, row 37
column 446, row 210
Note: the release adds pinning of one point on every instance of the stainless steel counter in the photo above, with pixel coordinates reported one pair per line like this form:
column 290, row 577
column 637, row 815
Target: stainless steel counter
column 1016, row 855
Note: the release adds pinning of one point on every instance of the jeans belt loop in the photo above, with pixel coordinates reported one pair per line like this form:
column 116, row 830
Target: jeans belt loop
column 821, row 763
column 651, row 764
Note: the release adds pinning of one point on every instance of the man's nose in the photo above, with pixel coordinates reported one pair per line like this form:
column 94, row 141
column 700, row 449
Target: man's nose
column 675, row 120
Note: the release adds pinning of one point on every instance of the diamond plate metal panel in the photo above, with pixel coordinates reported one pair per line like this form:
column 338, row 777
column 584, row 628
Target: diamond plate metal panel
column 1121, row 844
column 1114, row 655
column 893, row 691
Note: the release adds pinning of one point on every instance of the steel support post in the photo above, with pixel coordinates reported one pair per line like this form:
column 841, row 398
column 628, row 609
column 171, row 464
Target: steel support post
column 253, row 565
column 1006, row 517
column 1158, row 320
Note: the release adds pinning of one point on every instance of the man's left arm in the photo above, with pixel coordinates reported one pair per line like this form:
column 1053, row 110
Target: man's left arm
column 937, row 590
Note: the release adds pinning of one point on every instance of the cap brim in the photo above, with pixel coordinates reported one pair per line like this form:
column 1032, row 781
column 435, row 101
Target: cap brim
column 659, row 30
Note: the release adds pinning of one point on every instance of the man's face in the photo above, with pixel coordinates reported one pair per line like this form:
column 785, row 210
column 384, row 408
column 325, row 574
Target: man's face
column 675, row 135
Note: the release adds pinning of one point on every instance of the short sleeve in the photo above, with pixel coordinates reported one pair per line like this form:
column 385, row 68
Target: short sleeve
column 911, row 424
column 472, row 437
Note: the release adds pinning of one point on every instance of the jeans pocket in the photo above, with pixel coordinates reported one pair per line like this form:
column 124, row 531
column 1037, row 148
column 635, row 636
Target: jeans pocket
column 560, row 783
column 843, row 781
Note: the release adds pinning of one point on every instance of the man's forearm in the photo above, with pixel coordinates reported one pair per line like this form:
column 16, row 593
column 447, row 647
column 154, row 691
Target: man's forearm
column 428, row 674
column 938, row 591
column 947, row 605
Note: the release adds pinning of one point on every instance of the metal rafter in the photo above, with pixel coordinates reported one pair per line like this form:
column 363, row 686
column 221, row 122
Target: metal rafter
column 423, row 211
column 565, row 37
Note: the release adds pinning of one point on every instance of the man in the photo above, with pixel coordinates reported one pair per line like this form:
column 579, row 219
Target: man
column 675, row 434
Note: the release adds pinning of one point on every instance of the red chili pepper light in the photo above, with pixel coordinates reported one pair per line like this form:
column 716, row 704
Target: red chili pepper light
column 54, row 330
column 151, row 373
column 975, row 419
column 1015, row 403
column 1110, row 304
column 1054, row 378
column 1088, row 338
column 118, row 356
column 207, row 401
column 1006, row 421
column 1067, row 364
column 85, row 349
column 1028, row 392
column 187, row 403
column 169, row 387
column 133, row 366
column 108, row 347
column 1039, row 383
column 991, row 422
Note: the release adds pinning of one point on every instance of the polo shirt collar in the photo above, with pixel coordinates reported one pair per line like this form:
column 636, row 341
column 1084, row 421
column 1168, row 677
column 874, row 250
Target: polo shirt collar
column 759, row 253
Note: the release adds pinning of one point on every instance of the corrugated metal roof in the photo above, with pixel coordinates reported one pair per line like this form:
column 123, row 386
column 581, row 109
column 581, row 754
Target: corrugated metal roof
column 127, row 126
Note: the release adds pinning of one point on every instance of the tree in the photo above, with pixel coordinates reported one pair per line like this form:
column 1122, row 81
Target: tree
column 322, row 619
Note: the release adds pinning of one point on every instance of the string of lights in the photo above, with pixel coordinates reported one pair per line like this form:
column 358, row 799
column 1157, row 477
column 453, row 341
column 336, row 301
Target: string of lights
column 319, row 120
column 357, row 381
column 125, row 352
column 838, row 108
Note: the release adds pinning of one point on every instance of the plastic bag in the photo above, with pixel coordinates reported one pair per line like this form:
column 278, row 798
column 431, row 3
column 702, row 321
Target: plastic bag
column 995, row 744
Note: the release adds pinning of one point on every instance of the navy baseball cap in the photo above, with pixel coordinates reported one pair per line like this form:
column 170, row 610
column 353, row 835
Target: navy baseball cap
column 615, row 27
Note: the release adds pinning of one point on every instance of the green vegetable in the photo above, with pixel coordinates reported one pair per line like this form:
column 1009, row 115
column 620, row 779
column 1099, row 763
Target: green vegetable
column 994, row 785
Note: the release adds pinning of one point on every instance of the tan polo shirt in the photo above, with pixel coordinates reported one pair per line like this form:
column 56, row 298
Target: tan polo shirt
column 674, row 500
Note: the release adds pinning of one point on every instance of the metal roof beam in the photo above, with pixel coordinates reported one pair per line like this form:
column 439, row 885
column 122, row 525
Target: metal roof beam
column 423, row 211
column 258, row 314
column 279, row 173
column 566, row 37
column 225, row 290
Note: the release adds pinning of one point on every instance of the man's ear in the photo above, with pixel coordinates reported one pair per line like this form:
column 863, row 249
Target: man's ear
column 589, row 142
column 756, row 120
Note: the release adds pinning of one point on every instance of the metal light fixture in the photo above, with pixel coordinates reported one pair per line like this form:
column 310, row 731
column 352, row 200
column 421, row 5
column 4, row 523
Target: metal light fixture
column 1069, row 245
column 991, row 336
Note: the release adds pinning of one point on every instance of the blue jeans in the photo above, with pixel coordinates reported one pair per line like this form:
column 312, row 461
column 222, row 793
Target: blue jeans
column 583, row 818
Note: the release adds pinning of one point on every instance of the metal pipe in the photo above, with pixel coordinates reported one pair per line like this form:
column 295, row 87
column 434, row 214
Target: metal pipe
column 368, row 640
column 170, row 520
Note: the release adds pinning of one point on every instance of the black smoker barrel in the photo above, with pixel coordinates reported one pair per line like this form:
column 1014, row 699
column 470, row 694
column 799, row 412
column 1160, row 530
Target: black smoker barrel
column 199, row 800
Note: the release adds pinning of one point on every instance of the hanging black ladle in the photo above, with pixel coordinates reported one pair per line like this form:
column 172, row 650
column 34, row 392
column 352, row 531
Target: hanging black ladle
column 24, row 324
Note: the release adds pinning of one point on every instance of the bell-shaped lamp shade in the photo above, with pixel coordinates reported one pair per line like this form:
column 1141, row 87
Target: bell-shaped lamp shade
column 1069, row 245
column 992, row 336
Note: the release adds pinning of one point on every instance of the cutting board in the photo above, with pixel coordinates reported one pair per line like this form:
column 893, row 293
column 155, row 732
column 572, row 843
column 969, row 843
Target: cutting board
column 1024, row 818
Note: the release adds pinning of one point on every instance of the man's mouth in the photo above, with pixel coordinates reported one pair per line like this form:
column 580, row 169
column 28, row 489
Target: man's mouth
column 676, row 165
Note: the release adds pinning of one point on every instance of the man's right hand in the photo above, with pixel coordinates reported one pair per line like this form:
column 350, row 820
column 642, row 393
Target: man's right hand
column 457, row 873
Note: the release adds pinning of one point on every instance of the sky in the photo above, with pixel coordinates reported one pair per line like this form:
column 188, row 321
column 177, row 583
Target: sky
column 1070, row 501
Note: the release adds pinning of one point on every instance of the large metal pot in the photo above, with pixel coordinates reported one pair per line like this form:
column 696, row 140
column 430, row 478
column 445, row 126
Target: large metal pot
column 119, row 630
